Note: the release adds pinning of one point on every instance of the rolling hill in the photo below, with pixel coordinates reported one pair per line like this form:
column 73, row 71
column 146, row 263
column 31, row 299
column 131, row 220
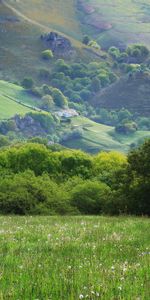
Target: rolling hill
column 97, row 137
column 131, row 92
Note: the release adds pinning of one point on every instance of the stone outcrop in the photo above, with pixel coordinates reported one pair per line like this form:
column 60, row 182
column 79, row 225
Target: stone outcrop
column 59, row 44
column 28, row 126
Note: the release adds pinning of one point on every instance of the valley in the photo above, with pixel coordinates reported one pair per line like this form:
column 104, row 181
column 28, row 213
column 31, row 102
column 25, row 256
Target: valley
column 106, row 83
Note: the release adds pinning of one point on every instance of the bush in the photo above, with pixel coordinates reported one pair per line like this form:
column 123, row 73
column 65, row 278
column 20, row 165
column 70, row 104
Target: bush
column 126, row 128
column 86, row 39
column 27, row 83
column 90, row 197
column 138, row 51
column 47, row 54
column 47, row 102
column 25, row 194
column 59, row 99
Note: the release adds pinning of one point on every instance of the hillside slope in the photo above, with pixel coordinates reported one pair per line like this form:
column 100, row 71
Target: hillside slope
column 52, row 15
column 116, row 22
column 131, row 92
column 97, row 137
column 9, row 108
column 14, row 100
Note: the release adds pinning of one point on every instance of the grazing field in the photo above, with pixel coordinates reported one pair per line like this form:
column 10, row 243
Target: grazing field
column 54, row 14
column 74, row 258
column 12, row 100
column 9, row 108
column 18, row 93
column 98, row 137
column 125, row 21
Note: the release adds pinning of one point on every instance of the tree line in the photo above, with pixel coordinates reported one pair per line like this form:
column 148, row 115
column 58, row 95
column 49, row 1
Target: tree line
column 40, row 179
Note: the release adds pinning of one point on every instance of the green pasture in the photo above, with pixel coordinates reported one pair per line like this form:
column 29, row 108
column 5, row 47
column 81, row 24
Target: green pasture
column 71, row 258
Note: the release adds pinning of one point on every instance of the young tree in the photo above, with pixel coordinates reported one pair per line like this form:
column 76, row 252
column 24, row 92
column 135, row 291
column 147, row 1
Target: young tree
column 28, row 83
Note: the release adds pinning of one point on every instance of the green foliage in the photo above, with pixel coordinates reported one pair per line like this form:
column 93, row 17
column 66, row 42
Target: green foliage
column 38, row 140
column 140, row 52
column 126, row 128
column 25, row 194
column 47, row 103
column 94, row 44
column 27, row 83
column 36, row 179
column 4, row 141
column 86, row 40
column 90, row 197
column 59, row 99
column 114, row 52
column 47, row 54
column 144, row 123
column 106, row 165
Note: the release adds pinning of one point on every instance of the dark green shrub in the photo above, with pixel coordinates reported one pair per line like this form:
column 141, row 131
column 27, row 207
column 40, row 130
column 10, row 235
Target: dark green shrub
column 27, row 83
column 89, row 197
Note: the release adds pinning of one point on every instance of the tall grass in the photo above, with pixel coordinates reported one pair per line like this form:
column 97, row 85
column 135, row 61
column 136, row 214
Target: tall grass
column 74, row 258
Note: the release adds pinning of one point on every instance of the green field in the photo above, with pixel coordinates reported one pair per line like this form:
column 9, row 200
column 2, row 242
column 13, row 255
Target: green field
column 130, row 21
column 98, row 137
column 10, row 95
column 18, row 93
column 52, row 14
column 9, row 108
column 71, row 258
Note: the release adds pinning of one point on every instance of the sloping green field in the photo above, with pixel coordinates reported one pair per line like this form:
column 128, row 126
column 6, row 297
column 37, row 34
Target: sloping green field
column 58, row 15
column 17, row 92
column 98, row 137
column 129, row 20
column 9, row 108
column 13, row 99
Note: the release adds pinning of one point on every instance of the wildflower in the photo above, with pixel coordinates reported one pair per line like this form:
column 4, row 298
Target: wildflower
column 69, row 267
column 81, row 296
column 21, row 267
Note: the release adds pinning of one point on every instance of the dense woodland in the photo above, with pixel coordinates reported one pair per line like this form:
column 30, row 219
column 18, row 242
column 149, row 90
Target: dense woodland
column 40, row 179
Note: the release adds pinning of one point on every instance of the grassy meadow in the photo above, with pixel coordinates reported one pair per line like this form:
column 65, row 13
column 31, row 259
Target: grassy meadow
column 129, row 19
column 53, row 14
column 9, row 108
column 74, row 258
column 11, row 99
column 18, row 93
column 97, row 137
